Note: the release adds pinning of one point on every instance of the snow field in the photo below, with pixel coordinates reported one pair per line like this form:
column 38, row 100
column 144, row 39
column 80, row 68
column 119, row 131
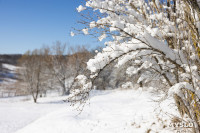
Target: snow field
column 16, row 113
column 126, row 111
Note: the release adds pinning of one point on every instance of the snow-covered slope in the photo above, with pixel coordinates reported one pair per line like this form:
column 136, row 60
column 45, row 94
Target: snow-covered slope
column 126, row 111
column 8, row 78
column 8, row 74
column 17, row 112
column 10, row 67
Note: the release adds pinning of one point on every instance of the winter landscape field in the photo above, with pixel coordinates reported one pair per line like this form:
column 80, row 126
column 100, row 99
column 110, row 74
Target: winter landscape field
column 100, row 66
column 118, row 111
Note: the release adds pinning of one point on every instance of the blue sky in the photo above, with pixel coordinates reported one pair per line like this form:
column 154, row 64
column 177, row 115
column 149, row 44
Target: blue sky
column 29, row 24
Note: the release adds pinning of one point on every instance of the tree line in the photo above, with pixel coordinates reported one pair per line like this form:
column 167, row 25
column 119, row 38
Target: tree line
column 52, row 68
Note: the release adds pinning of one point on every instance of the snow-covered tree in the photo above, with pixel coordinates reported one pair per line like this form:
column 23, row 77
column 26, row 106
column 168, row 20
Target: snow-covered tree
column 161, row 38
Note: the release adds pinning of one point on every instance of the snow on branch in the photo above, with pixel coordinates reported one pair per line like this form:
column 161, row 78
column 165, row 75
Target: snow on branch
column 158, row 39
column 177, row 88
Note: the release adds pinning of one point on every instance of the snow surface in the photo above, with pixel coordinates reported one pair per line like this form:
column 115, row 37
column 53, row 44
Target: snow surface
column 15, row 113
column 7, row 76
column 10, row 67
column 10, row 74
column 121, row 111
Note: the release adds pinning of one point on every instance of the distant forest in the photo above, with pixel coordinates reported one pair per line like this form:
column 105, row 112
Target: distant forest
column 10, row 58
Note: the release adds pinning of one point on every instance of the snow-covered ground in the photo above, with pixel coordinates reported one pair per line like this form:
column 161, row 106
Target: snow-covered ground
column 8, row 78
column 10, row 67
column 15, row 113
column 8, row 74
column 116, row 111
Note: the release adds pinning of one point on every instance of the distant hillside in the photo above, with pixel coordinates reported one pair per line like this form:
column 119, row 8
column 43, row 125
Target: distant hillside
column 8, row 64
column 9, row 58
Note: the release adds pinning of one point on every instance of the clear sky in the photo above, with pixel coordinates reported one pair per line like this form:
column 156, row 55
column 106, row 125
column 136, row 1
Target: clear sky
column 29, row 24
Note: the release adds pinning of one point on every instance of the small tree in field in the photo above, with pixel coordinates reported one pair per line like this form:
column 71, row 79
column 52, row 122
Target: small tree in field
column 32, row 66
column 161, row 38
